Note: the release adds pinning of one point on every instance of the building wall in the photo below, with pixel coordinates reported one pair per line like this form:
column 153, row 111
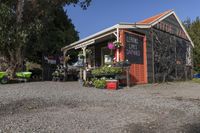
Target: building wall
column 169, row 28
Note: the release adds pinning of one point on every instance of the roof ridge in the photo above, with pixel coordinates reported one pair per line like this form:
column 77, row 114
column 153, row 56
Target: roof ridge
column 154, row 18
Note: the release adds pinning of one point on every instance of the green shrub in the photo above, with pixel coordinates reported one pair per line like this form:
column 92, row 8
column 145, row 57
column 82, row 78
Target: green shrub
column 196, row 80
column 99, row 83
column 106, row 70
column 197, row 69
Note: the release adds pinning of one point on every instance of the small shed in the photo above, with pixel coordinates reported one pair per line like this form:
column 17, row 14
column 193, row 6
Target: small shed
column 158, row 48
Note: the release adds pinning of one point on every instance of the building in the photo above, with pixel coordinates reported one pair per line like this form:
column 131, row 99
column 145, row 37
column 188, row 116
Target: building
column 158, row 48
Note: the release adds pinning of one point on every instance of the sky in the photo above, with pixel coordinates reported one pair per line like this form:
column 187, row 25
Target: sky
column 102, row 14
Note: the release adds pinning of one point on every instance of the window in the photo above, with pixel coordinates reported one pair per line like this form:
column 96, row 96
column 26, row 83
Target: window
column 106, row 56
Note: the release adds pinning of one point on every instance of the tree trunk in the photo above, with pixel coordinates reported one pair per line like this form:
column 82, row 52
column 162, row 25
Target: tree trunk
column 15, row 55
column 15, row 61
column 19, row 10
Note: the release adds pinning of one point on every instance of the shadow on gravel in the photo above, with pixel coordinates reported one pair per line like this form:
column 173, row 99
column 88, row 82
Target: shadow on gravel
column 191, row 128
column 27, row 105
column 141, row 128
column 194, row 100
column 154, row 128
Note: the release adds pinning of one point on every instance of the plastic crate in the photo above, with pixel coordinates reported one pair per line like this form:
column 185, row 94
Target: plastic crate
column 112, row 84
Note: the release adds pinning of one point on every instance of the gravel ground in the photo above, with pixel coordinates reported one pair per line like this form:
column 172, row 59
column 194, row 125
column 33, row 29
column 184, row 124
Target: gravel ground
column 69, row 108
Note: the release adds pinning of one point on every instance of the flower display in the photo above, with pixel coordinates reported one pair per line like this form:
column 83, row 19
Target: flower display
column 111, row 46
column 117, row 44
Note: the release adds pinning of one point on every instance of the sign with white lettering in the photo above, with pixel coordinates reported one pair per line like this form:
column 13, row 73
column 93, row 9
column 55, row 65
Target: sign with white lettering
column 172, row 26
column 134, row 48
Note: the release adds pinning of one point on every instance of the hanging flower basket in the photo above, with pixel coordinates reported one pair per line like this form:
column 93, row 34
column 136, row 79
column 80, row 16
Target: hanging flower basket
column 117, row 44
column 114, row 45
column 111, row 45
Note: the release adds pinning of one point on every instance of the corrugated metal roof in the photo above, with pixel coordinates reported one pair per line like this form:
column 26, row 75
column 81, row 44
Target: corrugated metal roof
column 154, row 18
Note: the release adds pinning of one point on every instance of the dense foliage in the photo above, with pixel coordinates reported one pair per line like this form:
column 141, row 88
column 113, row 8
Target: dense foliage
column 193, row 28
column 106, row 70
column 32, row 28
column 99, row 83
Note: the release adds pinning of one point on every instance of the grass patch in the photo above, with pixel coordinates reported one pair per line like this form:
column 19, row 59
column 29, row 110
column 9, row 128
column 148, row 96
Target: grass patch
column 196, row 80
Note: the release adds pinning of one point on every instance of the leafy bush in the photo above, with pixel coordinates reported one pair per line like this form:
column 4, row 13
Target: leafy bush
column 106, row 70
column 99, row 83
column 197, row 69
column 196, row 80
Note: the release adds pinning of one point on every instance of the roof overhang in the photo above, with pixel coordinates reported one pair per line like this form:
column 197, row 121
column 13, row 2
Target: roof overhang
column 92, row 39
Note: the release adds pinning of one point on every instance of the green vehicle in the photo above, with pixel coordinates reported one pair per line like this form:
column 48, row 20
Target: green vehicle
column 19, row 76
column 24, row 75
column 4, row 77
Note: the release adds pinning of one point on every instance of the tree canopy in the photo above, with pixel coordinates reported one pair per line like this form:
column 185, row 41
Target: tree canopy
column 30, row 28
column 193, row 28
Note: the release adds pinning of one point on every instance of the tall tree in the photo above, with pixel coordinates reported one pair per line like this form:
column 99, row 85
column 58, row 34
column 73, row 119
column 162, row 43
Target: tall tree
column 57, row 31
column 193, row 29
column 27, row 22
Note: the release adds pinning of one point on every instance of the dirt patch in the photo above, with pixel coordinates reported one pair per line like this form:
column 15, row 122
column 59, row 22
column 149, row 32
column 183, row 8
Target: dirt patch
column 176, row 113
column 67, row 107
column 28, row 105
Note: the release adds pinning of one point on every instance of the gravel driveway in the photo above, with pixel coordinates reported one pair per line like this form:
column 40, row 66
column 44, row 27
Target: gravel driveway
column 69, row 108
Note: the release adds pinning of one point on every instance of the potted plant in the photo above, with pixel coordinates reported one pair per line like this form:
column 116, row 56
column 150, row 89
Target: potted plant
column 106, row 71
column 117, row 44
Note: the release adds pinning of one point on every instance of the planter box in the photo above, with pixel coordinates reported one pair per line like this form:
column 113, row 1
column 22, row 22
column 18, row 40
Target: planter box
column 112, row 84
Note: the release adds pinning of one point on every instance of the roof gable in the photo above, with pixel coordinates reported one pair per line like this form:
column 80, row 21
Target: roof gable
column 152, row 21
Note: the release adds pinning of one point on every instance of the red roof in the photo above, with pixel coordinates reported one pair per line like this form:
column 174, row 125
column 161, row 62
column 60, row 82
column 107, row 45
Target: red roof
column 154, row 18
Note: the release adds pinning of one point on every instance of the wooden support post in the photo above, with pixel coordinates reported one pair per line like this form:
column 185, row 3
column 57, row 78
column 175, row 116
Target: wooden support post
column 176, row 70
column 127, row 77
column 117, row 42
column 84, row 71
column 80, row 74
column 64, row 65
column 153, row 56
